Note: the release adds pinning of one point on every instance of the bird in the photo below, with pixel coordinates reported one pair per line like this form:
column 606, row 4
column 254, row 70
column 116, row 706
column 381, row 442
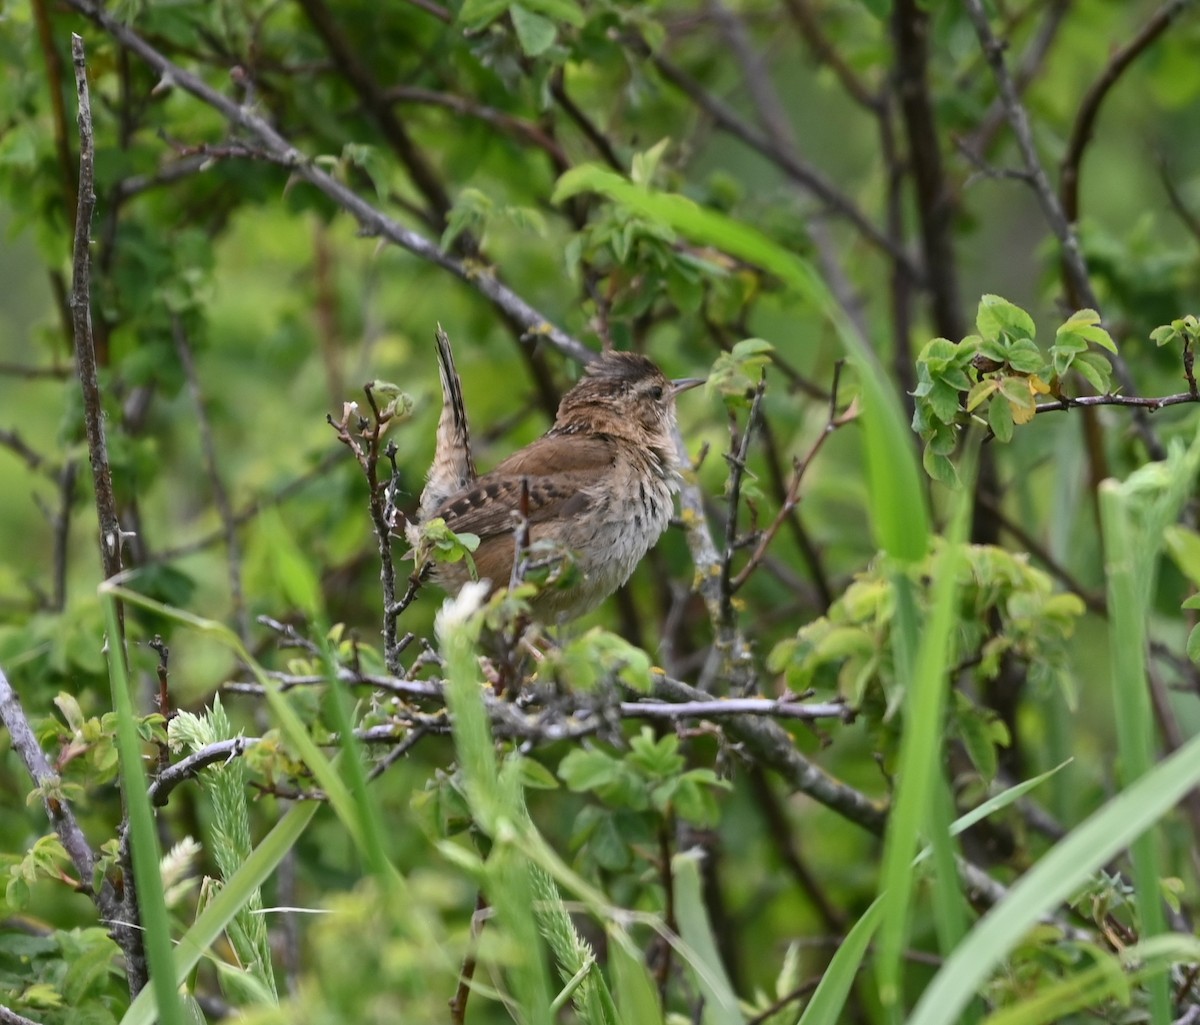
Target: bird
column 599, row 484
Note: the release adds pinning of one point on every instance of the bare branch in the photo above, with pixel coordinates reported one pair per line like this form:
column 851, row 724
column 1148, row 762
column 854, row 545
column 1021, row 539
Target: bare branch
column 233, row 551
column 126, row 922
column 47, row 780
column 1093, row 99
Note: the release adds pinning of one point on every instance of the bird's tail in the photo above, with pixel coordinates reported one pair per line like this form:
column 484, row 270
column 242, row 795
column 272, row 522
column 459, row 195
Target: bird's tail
column 453, row 468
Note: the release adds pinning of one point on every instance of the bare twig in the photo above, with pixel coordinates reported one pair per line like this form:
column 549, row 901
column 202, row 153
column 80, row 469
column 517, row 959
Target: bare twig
column 17, row 445
column 47, row 781
column 1149, row 403
column 737, row 467
column 728, row 120
column 380, row 108
column 525, row 130
column 33, row 373
column 233, row 551
column 250, row 510
column 934, row 199
column 1027, row 70
column 126, row 923
column 9, row 1017
column 85, row 353
column 1089, row 108
column 189, row 767
column 792, row 497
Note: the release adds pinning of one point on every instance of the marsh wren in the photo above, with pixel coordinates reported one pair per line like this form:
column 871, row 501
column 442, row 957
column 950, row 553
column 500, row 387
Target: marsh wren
column 598, row 484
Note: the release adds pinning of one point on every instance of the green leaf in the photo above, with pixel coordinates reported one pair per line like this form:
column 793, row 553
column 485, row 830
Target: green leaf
column 563, row 11
column 998, row 316
column 1183, row 545
column 584, row 770
column 1096, row 369
column 1000, row 419
column 1025, row 357
column 291, row 567
column 535, row 33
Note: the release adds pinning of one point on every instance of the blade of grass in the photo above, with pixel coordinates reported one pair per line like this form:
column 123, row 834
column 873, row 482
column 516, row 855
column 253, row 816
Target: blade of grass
column 367, row 812
column 143, row 840
column 496, row 800
column 720, row 1002
column 1127, row 570
column 1099, row 982
column 922, row 657
column 829, row 999
column 220, row 911
column 1062, row 871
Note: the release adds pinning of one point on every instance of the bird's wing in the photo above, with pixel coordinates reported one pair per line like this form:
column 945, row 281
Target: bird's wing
column 557, row 470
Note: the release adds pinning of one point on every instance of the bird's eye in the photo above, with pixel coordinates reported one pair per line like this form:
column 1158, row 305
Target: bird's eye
column 656, row 392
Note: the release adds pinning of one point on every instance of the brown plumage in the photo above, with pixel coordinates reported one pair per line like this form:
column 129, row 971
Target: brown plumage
column 599, row 482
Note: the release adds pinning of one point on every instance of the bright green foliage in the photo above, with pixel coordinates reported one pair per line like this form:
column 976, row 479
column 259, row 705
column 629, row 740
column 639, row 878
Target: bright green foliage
column 1007, row 610
column 1003, row 371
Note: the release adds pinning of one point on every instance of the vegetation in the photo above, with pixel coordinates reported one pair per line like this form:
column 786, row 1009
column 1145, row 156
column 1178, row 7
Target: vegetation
column 896, row 725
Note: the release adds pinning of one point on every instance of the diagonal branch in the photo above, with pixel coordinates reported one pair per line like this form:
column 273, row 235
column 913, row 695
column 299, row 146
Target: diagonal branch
column 372, row 221
column 1089, row 108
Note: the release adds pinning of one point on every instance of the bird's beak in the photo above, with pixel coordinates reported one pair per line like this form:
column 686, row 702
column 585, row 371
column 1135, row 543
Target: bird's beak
column 685, row 383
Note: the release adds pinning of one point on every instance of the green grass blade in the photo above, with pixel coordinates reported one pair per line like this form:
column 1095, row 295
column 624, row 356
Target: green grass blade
column 922, row 657
column 720, row 1002
column 220, row 911
column 1128, row 570
column 289, row 722
column 1059, row 874
column 366, row 810
column 143, row 840
column 829, row 999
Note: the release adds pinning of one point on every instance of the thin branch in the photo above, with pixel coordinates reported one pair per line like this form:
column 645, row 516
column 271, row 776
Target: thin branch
column 233, row 551
column 327, row 462
column 17, row 445
column 188, row 768
column 584, row 123
column 1027, row 70
column 1150, row 403
column 346, row 57
column 1190, row 220
column 792, row 497
column 8, row 1017
column 510, row 124
column 808, row 22
column 801, row 173
column 1093, row 99
column 34, row 373
column 81, row 314
column 372, row 221
column 935, row 201
column 125, row 924
column 737, row 468
column 58, row 810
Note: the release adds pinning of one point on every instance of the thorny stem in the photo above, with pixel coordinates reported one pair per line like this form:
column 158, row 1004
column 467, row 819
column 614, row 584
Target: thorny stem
column 800, row 466
column 125, row 923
